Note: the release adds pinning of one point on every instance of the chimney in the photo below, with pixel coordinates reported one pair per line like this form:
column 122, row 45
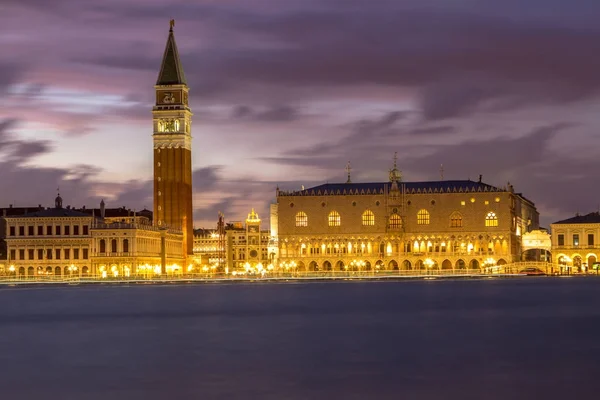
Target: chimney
column 10, row 206
column 480, row 177
column 40, row 207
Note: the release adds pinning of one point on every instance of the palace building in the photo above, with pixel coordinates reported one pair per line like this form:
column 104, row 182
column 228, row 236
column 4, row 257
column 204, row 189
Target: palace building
column 396, row 225
column 574, row 243
column 172, row 121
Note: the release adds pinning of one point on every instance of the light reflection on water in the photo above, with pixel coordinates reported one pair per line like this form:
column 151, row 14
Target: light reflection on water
column 486, row 339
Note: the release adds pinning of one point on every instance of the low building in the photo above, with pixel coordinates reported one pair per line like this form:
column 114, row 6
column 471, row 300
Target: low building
column 575, row 242
column 126, row 249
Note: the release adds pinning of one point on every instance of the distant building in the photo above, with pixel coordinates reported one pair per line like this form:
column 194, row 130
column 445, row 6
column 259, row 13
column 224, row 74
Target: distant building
column 398, row 225
column 245, row 246
column 575, row 242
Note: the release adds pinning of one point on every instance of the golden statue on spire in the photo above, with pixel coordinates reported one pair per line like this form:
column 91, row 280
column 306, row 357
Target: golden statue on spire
column 171, row 24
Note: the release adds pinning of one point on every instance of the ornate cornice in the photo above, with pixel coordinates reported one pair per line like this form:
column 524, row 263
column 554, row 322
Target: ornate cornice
column 174, row 141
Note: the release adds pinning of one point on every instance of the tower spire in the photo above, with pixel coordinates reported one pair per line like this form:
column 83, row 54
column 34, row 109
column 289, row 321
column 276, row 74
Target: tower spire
column 171, row 71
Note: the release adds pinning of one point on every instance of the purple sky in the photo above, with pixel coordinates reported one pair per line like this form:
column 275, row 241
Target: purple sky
column 288, row 91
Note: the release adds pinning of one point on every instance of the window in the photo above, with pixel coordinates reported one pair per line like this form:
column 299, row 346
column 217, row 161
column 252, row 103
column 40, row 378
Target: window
column 13, row 254
column 21, row 231
column 590, row 239
column 76, row 254
column 576, row 239
column 301, row 219
column 30, row 230
column 395, row 221
column 49, row 254
column 113, row 245
column 57, row 252
column 368, row 218
column 12, row 231
column 40, row 254
column 67, row 254
column 58, row 229
column 49, row 230
column 31, row 254
column 21, row 254
column 85, row 229
column 334, row 219
column 67, row 230
column 102, row 246
column 456, row 220
column 40, row 230
column 561, row 239
column 85, row 254
column 491, row 219
column 126, row 246
column 76, row 230
column 423, row 217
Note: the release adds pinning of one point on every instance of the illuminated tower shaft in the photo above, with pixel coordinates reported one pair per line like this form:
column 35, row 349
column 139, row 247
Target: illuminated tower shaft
column 172, row 139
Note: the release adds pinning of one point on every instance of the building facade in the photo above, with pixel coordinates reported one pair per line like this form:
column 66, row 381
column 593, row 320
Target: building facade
column 399, row 225
column 126, row 249
column 575, row 242
column 53, row 241
column 172, row 121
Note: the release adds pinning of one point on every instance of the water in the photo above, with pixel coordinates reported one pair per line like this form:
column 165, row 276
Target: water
column 526, row 338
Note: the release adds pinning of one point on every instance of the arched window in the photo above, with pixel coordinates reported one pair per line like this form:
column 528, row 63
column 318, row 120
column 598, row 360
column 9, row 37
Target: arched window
column 456, row 220
column 395, row 221
column 334, row 219
column 368, row 218
column 423, row 217
column 301, row 219
column 126, row 246
column 102, row 246
column 113, row 246
column 491, row 219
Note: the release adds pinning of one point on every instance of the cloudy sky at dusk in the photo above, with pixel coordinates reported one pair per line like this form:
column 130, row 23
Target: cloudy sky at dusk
column 286, row 92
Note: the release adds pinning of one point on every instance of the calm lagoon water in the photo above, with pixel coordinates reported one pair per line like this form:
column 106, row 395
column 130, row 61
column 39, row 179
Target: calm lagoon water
column 525, row 338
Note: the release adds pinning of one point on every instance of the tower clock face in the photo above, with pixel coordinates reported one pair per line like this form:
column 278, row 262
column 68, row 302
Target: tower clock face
column 168, row 97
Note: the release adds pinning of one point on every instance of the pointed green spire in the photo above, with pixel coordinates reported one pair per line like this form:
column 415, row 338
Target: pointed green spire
column 171, row 71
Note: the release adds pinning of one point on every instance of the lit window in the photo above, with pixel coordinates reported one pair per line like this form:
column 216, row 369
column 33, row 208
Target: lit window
column 423, row 217
column 491, row 219
column 462, row 203
column 456, row 220
column 334, row 219
column 368, row 218
column 395, row 221
column 301, row 219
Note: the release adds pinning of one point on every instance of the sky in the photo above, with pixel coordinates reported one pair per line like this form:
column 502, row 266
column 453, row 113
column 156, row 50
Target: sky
column 286, row 92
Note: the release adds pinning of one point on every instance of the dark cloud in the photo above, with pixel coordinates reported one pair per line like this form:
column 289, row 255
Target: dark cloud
column 19, row 151
column 272, row 114
column 434, row 130
column 205, row 178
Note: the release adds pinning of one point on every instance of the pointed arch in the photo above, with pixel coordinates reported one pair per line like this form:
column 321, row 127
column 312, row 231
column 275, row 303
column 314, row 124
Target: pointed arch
column 368, row 218
column 491, row 219
column 334, row 219
column 395, row 221
column 423, row 217
column 456, row 220
column 301, row 219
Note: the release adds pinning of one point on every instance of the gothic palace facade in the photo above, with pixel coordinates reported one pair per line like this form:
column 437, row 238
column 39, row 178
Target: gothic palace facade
column 399, row 225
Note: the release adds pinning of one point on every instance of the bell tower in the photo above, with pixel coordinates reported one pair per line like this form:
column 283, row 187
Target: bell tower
column 172, row 121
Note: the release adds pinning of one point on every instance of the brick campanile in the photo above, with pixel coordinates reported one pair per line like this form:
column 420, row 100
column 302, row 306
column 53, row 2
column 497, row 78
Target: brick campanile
column 172, row 121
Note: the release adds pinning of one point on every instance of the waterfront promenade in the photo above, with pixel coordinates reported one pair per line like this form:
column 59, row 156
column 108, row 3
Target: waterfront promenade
column 510, row 270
